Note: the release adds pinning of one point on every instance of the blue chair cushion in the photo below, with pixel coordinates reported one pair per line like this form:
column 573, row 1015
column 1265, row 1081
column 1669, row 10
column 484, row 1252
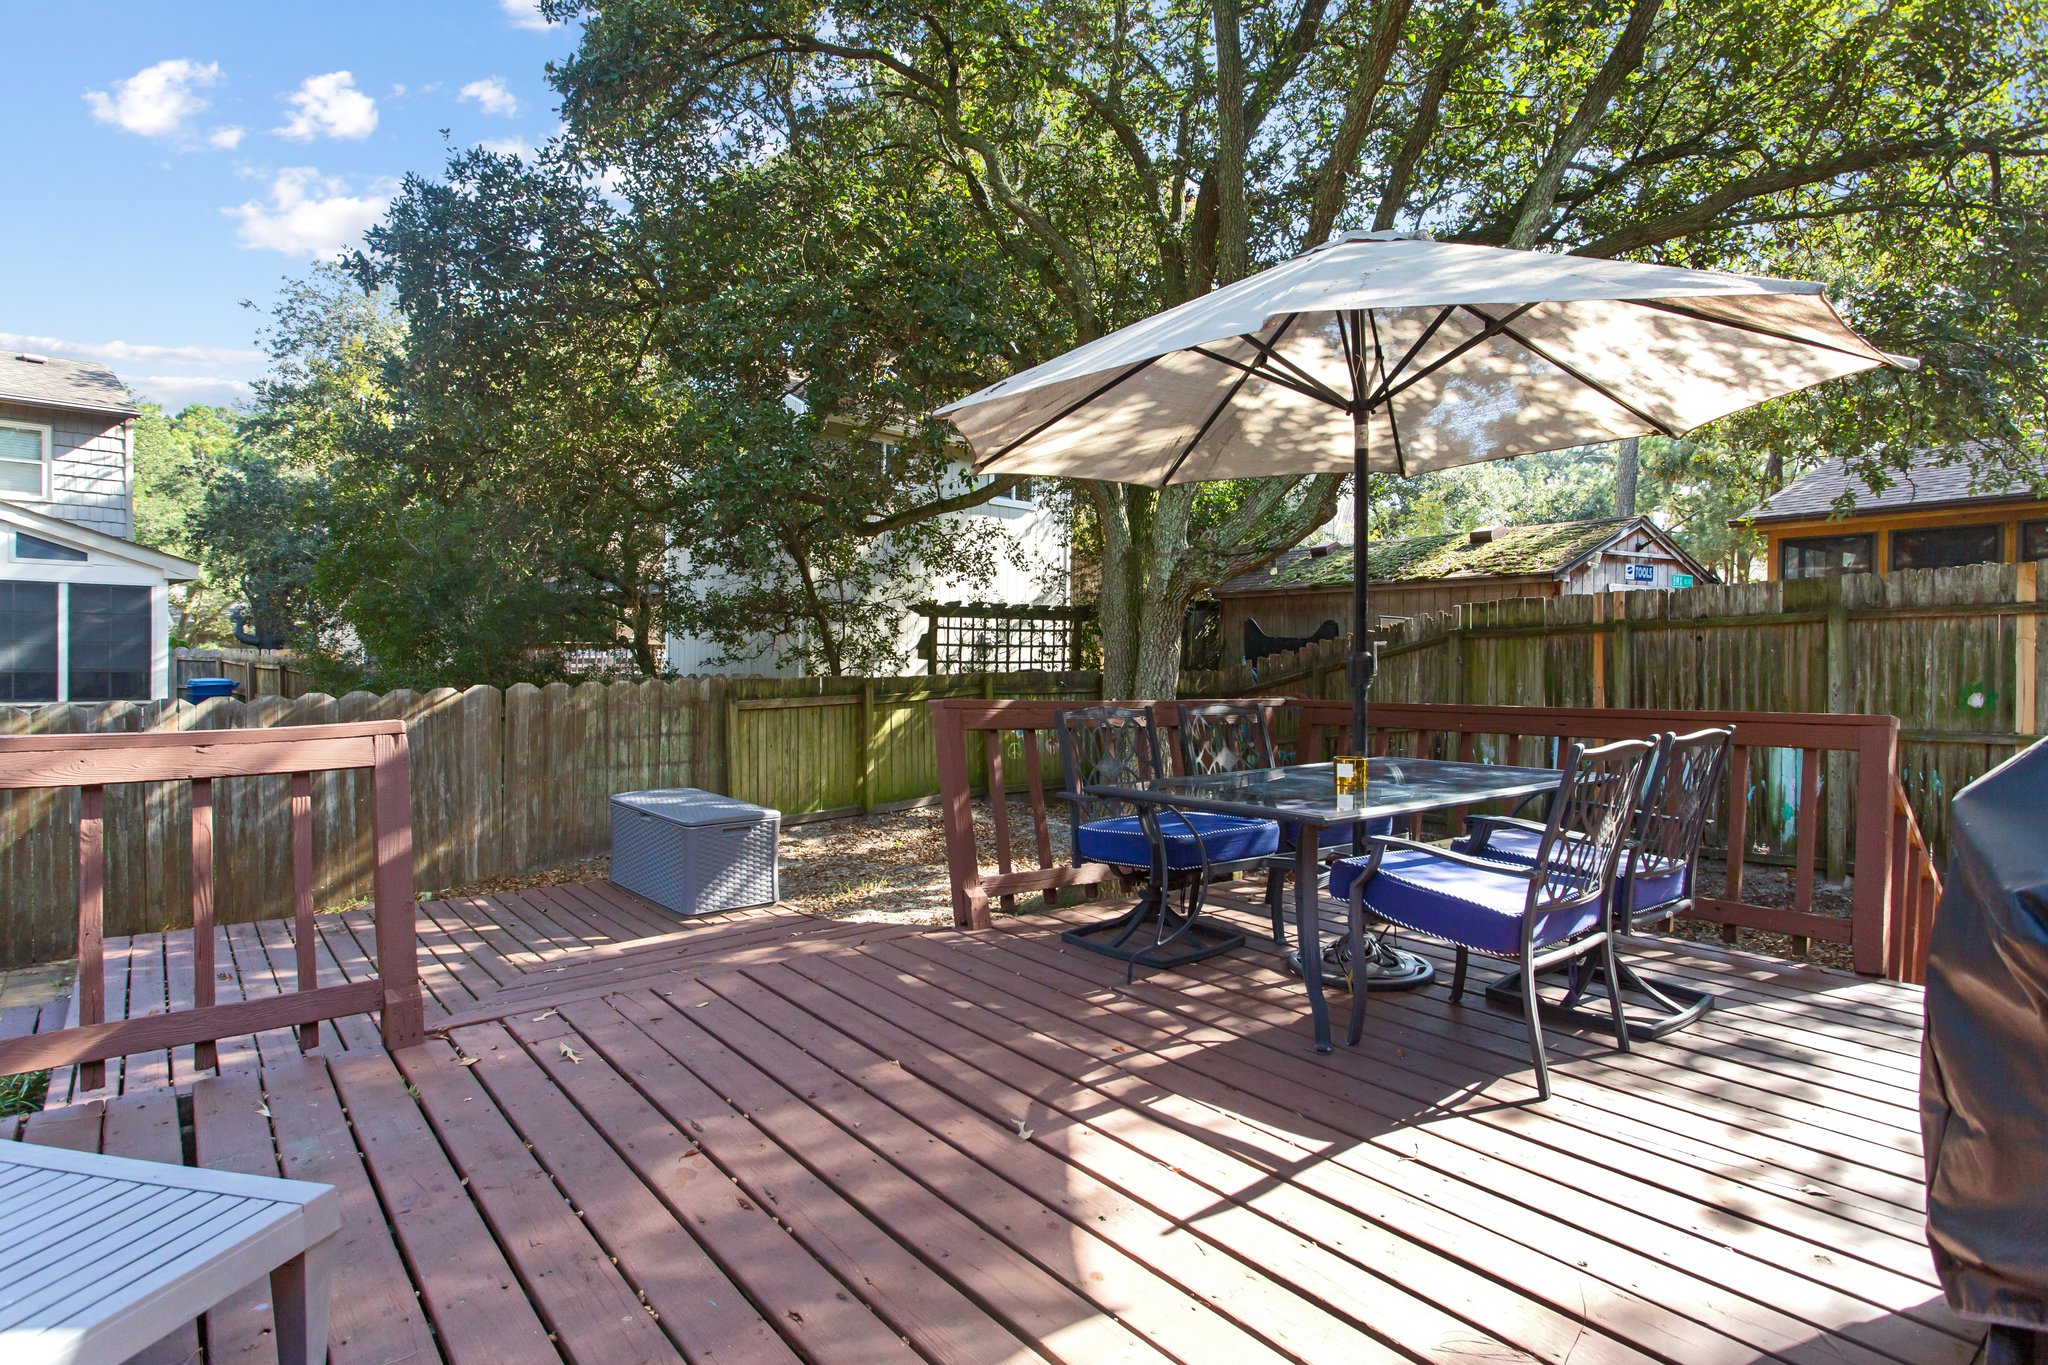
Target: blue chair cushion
column 1454, row 901
column 1504, row 844
column 1655, row 883
column 1290, row 833
column 1121, row 842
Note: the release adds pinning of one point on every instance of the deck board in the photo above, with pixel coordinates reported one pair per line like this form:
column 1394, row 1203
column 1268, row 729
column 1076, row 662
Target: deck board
column 763, row 1136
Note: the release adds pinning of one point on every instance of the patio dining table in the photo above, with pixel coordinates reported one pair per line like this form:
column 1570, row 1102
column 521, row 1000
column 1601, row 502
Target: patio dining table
column 1305, row 795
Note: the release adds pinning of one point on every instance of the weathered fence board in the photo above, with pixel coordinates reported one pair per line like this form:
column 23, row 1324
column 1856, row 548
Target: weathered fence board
column 1955, row 654
column 503, row 782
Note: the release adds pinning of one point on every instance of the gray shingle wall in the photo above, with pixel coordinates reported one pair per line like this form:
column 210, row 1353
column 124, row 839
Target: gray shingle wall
column 89, row 468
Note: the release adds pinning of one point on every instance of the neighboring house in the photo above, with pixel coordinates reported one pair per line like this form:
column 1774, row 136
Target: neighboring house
column 1933, row 517
column 85, row 613
column 1412, row 575
column 1025, row 577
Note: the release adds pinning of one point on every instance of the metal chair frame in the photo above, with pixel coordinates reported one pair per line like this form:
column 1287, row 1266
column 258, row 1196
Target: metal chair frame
column 1591, row 817
column 1119, row 746
column 1226, row 737
column 1669, row 832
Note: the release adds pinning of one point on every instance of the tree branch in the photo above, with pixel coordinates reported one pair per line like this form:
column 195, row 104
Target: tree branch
column 1358, row 111
column 1622, row 60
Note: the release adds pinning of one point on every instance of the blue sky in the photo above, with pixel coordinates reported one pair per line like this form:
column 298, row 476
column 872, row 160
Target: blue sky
column 170, row 160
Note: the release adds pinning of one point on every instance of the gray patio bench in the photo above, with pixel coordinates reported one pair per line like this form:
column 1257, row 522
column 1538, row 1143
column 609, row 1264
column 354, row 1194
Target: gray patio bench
column 105, row 1256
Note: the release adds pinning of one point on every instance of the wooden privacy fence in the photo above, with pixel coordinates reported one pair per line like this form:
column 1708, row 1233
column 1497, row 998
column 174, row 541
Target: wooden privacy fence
column 256, row 672
column 503, row 782
column 1955, row 654
column 351, row 774
column 1893, row 895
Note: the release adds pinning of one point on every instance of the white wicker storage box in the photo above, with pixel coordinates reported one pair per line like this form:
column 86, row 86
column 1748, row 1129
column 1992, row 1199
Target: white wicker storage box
column 694, row 852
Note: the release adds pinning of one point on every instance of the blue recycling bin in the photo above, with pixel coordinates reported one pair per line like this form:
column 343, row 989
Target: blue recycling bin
column 202, row 689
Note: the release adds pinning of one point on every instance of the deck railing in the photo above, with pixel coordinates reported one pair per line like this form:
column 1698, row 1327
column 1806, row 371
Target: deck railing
column 91, row 763
column 1893, row 891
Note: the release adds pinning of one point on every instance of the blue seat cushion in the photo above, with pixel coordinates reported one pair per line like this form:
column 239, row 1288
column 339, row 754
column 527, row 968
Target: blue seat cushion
column 1121, row 842
column 1655, row 883
column 1290, row 833
column 1477, row 907
column 1504, row 844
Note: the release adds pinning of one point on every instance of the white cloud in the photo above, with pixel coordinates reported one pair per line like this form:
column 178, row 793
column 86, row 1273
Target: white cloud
column 227, row 138
column 157, row 100
column 175, row 391
column 492, row 95
column 524, row 13
column 309, row 215
column 330, row 106
column 111, row 352
column 506, row 146
column 207, row 374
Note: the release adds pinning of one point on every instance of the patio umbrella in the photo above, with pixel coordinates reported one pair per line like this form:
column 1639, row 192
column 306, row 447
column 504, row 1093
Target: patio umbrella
column 1396, row 354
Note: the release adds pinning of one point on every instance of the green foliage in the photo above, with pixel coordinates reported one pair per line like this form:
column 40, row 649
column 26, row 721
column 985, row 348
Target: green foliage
column 174, row 458
column 742, row 372
column 1107, row 161
column 23, row 1094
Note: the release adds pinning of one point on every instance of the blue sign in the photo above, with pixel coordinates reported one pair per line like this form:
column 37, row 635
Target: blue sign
column 1639, row 573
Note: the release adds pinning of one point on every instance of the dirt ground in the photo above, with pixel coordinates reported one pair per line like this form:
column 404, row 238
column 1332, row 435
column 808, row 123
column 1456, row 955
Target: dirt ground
column 891, row 869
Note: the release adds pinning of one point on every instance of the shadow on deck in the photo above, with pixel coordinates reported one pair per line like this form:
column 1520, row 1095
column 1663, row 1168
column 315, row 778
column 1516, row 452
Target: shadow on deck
column 773, row 1137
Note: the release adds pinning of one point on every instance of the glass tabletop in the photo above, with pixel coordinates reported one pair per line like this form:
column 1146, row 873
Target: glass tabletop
column 1306, row 793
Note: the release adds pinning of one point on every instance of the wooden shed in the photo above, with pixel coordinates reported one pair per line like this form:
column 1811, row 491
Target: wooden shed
column 1414, row 575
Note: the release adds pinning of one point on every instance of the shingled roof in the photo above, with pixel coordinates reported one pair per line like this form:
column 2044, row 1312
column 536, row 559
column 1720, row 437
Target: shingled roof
column 47, row 381
column 1508, row 552
column 1925, row 483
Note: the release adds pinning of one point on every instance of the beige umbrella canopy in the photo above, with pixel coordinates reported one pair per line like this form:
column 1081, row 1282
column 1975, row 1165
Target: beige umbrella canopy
column 1403, row 355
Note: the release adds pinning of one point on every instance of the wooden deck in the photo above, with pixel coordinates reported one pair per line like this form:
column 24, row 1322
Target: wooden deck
column 776, row 1137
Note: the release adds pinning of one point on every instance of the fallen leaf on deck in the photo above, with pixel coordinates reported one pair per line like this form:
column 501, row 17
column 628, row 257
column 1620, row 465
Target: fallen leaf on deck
column 1022, row 1131
column 468, row 1061
column 571, row 1053
column 549, row 1015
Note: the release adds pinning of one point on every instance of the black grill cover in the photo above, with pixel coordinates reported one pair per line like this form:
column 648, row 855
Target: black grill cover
column 1984, row 1068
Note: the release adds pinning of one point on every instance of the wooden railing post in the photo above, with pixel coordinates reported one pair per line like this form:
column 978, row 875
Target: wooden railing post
column 397, row 942
column 204, row 1055
column 92, row 905
column 1877, row 773
column 956, row 811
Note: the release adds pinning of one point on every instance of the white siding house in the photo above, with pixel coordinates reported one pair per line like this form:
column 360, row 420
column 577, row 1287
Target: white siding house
column 85, row 613
column 1034, row 574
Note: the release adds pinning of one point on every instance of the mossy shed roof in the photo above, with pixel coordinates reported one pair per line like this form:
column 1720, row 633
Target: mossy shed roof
column 1500, row 552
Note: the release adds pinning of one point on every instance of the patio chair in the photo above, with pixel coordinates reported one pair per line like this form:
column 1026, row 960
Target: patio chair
column 1228, row 737
column 1118, row 746
column 1538, row 915
column 1655, row 877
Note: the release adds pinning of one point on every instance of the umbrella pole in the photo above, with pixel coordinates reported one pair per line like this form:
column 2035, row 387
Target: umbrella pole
column 1361, row 663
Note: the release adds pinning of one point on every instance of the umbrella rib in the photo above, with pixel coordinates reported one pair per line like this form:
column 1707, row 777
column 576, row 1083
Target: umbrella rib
column 1663, row 307
column 1388, row 376
column 1063, row 414
column 1487, row 333
column 1271, row 352
column 1400, row 455
column 1250, row 371
column 1609, row 394
column 1217, row 411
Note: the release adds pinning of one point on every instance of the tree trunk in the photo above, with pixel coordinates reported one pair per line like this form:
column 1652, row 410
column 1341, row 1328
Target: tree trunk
column 643, row 634
column 1627, row 471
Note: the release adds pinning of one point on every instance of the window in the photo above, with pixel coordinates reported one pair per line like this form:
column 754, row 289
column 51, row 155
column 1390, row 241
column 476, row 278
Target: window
column 24, row 460
column 1824, row 557
column 28, row 642
column 27, row 546
column 2033, row 540
column 1944, row 547
column 110, row 652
